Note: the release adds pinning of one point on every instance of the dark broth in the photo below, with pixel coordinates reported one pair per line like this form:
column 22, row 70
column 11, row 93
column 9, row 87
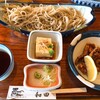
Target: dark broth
column 4, row 62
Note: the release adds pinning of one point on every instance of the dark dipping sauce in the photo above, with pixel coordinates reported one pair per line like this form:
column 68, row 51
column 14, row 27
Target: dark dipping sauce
column 4, row 62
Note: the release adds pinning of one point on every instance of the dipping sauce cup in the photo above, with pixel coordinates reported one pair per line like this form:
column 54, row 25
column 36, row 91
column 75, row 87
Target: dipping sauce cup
column 6, row 62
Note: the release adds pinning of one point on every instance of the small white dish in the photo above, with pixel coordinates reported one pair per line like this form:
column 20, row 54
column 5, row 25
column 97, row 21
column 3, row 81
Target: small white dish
column 55, row 36
column 32, row 83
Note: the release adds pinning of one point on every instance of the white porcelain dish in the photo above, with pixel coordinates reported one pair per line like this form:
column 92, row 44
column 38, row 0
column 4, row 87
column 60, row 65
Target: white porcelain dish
column 55, row 36
column 76, row 49
column 85, row 10
column 4, row 48
column 36, row 86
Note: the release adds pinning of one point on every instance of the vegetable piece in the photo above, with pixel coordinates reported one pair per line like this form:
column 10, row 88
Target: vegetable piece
column 51, row 52
column 37, row 75
column 50, row 46
column 46, row 83
column 47, row 68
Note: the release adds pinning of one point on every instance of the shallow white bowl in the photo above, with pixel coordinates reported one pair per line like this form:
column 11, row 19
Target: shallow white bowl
column 38, row 88
column 55, row 36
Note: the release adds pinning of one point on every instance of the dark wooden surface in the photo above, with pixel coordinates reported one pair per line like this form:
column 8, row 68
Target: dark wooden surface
column 18, row 45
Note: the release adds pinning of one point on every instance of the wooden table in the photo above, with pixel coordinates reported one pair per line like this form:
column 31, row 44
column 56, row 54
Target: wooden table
column 18, row 45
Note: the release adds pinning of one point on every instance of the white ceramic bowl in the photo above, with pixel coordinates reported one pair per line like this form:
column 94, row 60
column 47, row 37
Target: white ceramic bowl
column 36, row 87
column 11, row 65
column 76, row 49
column 55, row 36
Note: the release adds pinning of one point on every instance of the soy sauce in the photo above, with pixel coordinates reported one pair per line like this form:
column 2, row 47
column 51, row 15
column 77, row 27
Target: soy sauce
column 4, row 62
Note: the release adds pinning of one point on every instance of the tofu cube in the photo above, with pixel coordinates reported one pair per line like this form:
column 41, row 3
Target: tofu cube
column 42, row 49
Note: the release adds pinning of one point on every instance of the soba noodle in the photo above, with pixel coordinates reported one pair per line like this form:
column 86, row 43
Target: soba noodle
column 42, row 17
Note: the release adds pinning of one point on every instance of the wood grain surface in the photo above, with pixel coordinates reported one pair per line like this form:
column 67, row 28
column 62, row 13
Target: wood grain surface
column 18, row 45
